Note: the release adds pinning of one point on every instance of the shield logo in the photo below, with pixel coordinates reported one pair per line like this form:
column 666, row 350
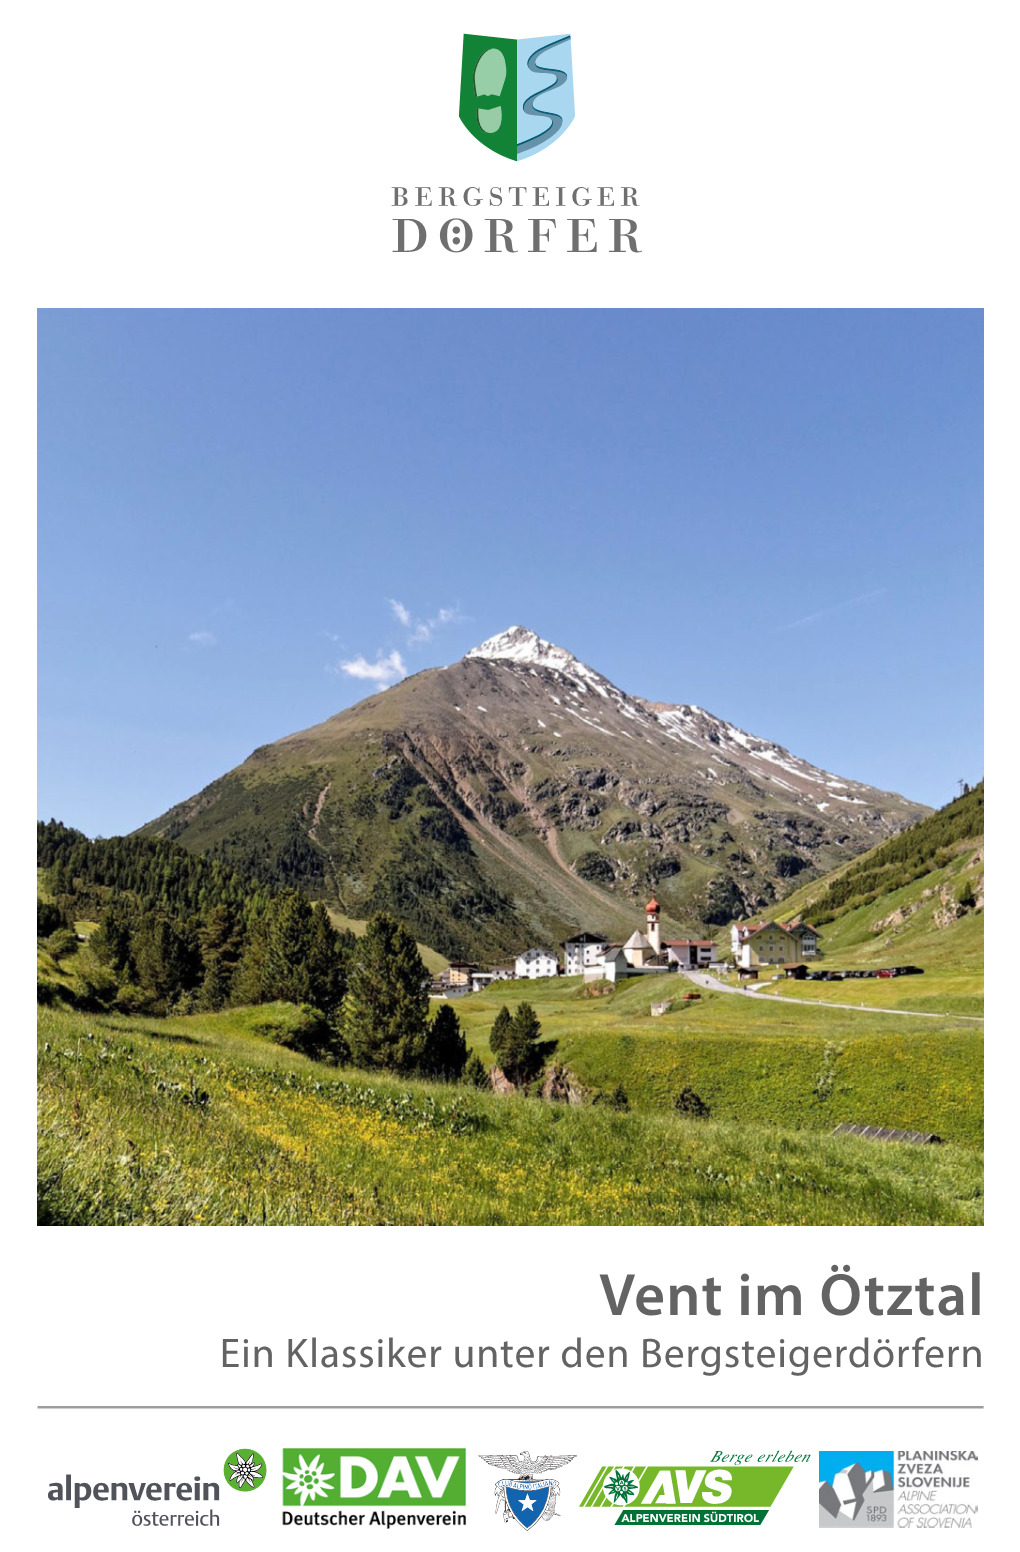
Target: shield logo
column 527, row 1500
column 516, row 94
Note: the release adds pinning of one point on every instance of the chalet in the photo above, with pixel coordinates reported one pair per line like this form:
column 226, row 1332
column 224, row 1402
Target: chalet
column 773, row 942
column 459, row 972
column 691, row 953
column 584, row 952
column 536, row 964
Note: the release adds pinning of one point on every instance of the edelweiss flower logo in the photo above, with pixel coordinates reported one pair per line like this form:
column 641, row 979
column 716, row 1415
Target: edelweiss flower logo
column 245, row 1470
column 309, row 1480
column 620, row 1484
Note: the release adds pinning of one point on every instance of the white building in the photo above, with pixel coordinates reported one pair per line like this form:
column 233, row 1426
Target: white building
column 615, row 965
column 536, row 964
column 584, row 952
column 692, row 953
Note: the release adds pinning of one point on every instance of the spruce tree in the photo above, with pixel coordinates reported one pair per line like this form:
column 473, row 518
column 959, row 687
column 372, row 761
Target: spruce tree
column 475, row 1072
column 220, row 939
column 445, row 1050
column 499, row 1033
column 385, row 1011
column 166, row 957
column 328, row 955
column 524, row 1052
column 288, row 948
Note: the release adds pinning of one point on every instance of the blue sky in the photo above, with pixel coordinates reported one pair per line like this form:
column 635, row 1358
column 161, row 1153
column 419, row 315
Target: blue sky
column 774, row 515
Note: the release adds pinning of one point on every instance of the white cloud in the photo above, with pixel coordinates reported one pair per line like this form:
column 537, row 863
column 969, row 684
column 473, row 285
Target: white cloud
column 384, row 671
column 402, row 613
column 202, row 638
column 424, row 630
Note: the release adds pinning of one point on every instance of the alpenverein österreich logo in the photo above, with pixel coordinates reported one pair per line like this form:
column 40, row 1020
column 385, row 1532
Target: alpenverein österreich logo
column 516, row 94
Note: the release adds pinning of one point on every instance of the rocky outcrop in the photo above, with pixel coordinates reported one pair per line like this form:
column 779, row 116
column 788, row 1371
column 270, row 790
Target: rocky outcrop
column 562, row 1085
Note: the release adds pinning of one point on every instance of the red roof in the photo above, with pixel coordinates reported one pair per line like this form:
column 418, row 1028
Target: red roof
column 653, row 905
column 690, row 943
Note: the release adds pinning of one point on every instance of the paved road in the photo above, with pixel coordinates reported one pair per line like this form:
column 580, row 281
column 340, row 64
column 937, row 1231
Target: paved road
column 701, row 978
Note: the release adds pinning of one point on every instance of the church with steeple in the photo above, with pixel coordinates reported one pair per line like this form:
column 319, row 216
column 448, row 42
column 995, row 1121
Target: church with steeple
column 645, row 953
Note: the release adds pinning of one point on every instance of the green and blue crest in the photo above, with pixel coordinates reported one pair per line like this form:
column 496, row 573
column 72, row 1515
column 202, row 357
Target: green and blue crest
column 516, row 94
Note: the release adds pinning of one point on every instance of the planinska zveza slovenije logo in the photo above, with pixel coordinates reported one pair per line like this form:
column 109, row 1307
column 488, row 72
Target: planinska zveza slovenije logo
column 855, row 1489
column 517, row 94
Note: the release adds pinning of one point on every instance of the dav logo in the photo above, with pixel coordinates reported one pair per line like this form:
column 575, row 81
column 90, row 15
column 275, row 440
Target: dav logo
column 516, row 94
column 339, row 1477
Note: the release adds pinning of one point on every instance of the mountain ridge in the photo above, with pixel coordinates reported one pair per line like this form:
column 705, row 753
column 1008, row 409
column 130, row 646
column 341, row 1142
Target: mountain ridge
column 517, row 795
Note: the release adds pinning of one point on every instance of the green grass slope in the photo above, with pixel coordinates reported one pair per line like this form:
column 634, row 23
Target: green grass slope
column 202, row 1120
column 916, row 899
column 755, row 1062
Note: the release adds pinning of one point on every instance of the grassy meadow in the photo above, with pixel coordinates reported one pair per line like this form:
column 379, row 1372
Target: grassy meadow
column 208, row 1119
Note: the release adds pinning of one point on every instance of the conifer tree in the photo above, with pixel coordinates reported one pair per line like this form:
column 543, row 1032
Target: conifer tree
column 445, row 1050
column 166, row 957
column 476, row 1072
column 328, row 954
column 499, row 1033
column 385, row 1011
column 524, row 1052
column 288, row 946
column 220, row 940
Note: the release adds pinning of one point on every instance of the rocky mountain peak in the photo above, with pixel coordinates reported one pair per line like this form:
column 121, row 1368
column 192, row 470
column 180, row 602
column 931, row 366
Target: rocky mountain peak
column 527, row 649
column 520, row 645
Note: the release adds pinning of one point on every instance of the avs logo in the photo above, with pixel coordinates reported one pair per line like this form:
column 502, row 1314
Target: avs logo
column 516, row 94
column 527, row 1497
column 855, row 1489
column 402, row 1477
column 686, row 1495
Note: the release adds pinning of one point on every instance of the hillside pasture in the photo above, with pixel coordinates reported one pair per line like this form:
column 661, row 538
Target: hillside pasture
column 202, row 1121
column 755, row 1062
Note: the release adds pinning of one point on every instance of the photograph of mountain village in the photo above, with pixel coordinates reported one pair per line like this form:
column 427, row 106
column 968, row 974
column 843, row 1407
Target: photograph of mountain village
column 513, row 930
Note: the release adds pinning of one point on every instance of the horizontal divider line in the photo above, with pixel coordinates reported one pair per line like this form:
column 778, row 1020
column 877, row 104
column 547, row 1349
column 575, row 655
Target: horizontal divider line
column 467, row 1406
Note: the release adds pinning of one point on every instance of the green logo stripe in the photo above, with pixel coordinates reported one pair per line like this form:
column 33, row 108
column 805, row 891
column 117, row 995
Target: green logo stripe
column 594, row 1492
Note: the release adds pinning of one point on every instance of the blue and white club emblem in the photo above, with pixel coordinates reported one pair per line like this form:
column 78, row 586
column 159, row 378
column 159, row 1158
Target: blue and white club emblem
column 527, row 1497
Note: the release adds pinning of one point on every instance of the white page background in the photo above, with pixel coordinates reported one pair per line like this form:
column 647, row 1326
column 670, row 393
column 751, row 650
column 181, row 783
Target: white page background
column 244, row 155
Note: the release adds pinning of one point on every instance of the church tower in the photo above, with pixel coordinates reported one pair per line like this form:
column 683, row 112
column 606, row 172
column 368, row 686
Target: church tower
column 652, row 919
